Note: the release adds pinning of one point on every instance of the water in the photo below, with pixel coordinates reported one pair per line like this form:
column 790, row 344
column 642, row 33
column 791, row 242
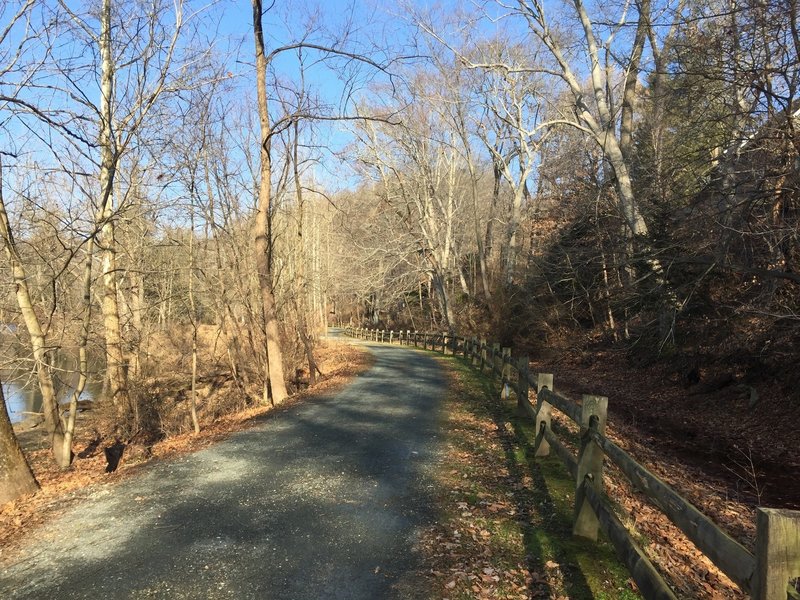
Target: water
column 21, row 386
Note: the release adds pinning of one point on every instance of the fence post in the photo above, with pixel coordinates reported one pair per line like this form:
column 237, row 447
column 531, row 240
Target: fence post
column 505, row 373
column 523, row 369
column 544, row 381
column 444, row 342
column 777, row 552
column 494, row 350
column 590, row 464
column 483, row 353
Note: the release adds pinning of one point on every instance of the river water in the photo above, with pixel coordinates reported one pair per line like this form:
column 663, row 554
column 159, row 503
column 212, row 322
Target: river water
column 21, row 386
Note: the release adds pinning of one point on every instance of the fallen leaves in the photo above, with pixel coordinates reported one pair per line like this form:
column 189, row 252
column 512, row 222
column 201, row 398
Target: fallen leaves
column 477, row 549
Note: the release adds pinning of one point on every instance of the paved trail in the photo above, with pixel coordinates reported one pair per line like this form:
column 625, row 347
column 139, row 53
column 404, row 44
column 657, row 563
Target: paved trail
column 323, row 500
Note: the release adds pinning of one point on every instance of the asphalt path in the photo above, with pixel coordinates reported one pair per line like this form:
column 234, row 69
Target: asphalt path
column 323, row 499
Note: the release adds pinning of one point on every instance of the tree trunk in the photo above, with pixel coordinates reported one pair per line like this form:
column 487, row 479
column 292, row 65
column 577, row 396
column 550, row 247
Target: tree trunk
column 444, row 303
column 631, row 80
column 301, row 281
column 116, row 374
column 511, row 233
column 274, row 384
column 83, row 361
column 193, row 319
column 16, row 477
column 52, row 419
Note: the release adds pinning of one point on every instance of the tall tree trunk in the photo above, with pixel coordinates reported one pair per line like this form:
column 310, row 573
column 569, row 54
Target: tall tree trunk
column 274, row 385
column 301, row 281
column 83, row 360
column 444, row 302
column 193, row 319
column 117, row 372
column 512, row 243
column 488, row 244
column 52, row 419
column 16, row 477
column 631, row 79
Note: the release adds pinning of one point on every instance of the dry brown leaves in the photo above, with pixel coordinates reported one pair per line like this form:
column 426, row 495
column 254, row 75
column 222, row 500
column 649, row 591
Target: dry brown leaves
column 476, row 548
column 60, row 489
column 690, row 573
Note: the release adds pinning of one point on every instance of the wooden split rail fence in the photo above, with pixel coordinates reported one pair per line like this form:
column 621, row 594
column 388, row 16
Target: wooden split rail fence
column 765, row 575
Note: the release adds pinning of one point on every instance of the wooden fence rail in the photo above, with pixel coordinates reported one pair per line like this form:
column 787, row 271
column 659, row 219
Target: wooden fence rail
column 765, row 575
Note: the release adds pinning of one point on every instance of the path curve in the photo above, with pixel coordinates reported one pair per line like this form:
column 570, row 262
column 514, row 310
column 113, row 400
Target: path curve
column 322, row 500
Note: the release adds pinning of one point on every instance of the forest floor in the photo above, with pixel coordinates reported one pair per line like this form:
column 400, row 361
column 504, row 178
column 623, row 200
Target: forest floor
column 726, row 447
column 742, row 438
column 340, row 362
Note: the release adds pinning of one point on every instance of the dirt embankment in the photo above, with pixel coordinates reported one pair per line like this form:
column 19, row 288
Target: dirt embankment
column 725, row 446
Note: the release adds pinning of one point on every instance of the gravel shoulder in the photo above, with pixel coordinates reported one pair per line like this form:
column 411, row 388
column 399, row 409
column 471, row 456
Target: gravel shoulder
column 321, row 500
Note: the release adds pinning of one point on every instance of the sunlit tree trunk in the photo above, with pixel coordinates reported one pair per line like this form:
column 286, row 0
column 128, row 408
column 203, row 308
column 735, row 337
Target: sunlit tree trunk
column 52, row 418
column 116, row 375
column 301, row 282
column 83, row 360
column 193, row 319
column 274, row 384
column 16, row 477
